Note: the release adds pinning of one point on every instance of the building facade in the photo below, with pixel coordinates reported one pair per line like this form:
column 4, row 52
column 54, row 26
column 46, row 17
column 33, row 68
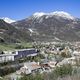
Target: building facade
column 13, row 55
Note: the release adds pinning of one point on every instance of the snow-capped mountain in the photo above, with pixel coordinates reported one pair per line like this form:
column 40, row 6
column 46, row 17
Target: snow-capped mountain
column 56, row 13
column 57, row 25
column 8, row 20
column 39, row 14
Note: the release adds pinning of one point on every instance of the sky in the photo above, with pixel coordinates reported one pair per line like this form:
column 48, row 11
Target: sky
column 20, row 9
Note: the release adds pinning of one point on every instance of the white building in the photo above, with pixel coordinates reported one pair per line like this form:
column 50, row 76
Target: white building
column 76, row 53
column 6, row 57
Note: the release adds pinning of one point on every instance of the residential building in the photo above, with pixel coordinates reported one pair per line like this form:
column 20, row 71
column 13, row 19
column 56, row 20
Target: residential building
column 22, row 53
column 7, row 57
column 30, row 67
column 13, row 55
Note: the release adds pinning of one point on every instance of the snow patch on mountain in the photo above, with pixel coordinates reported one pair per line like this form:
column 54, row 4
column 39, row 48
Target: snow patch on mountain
column 63, row 14
column 39, row 14
column 31, row 30
column 56, row 13
column 8, row 20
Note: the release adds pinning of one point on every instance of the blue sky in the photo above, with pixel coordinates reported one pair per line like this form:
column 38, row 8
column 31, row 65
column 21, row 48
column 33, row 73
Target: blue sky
column 20, row 9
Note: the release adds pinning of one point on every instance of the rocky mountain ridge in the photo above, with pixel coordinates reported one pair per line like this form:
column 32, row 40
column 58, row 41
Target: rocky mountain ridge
column 51, row 26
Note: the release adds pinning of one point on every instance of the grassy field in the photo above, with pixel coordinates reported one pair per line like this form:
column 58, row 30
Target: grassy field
column 5, row 47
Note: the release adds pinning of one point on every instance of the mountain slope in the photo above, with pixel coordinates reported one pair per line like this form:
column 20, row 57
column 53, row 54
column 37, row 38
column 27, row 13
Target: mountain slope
column 51, row 26
column 9, row 34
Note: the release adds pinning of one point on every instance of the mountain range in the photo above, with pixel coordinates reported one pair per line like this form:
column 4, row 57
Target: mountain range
column 54, row 26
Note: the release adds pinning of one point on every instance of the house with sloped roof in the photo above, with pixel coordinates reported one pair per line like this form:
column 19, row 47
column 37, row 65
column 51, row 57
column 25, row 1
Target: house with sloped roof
column 30, row 67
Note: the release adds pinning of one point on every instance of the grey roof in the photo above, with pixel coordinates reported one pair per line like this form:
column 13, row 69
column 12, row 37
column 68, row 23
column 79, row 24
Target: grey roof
column 32, row 65
column 7, row 55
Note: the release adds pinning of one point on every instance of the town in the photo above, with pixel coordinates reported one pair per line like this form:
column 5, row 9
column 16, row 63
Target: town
column 42, row 58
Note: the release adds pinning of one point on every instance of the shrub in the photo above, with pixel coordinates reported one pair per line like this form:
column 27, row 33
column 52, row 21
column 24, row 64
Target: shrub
column 63, row 70
column 32, row 77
